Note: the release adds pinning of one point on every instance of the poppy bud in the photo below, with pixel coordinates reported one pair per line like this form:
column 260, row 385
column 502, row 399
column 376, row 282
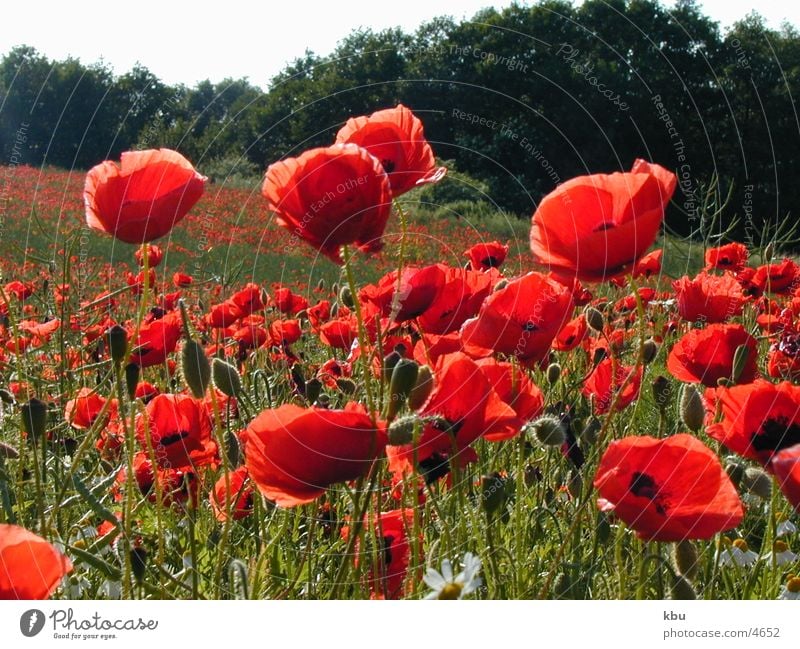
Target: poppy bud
column 650, row 350
column 500, row 285
column 548, row 430
column 532, row 475
column 34, row 419
column 117, row 343
column 401, row 430
column 493, row 493
column 335, row 310
column 132, row 373
column 739, row 361
column 422, row 388
column 692, row 410
column 724, row 382
column 7, row 397
column 603, row 527
column 313, row 388
column 562, row 586
column 323, row 401
column 735, row 472
column 553, row 373
column 138, row 563
column 662, row 392
column 575, row 484
column 681, row 588
column 346, row 297
column 769, row 250
column 346, row 386
column 757, row 482
column 389, row 361
column 685, row 558
column 226, row 377
column 590, row 430
column 594, row 318
column 195, row 368
column 8, row 452
column 298, row 379
column 302, row 314
column 321, row 284
column 404, row 377
column 599, row 355
column 335, row 288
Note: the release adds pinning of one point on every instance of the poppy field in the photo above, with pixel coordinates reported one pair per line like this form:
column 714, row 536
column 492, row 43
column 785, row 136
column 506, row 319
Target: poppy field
column 311, row 389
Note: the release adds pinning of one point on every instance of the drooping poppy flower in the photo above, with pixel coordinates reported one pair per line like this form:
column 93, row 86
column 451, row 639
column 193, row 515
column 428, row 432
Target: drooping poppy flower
column 391, row 528
column 520, row 320
column 603, row 384
column 30, row 567
column 395, row 136
column 671, row 489
column 731, row 256
column 709, row 298
column 596, row 227
column 178, row 428
column 514, row 387
column 758, row 419
column 462, row 407
column 235, row 494
column 294, row 454
column 144, row 198
column 483, row 256
column 785, row 465
column 706, row 355
column 331, row 197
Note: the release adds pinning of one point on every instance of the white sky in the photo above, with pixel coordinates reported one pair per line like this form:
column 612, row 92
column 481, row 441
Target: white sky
column 189, row 41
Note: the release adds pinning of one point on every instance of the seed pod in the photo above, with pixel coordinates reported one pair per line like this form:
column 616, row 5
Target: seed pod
column 132, row 373
column 226, row 377
column 195, row 368
column 650, row 350
column 34, row 419
column 662, row 392
column 692, row 410
column 681, row 588
column 685, row 558
column 401, row 430
column 757, row 482
column 422, row 388
column 553, row 373
column 117, row 343
column 548, row 430
column 404, row 378
column 594, row 319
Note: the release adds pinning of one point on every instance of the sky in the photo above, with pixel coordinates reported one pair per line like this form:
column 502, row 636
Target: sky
column 185, row 42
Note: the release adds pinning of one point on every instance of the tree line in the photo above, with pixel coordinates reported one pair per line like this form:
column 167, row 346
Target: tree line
column 521, row 98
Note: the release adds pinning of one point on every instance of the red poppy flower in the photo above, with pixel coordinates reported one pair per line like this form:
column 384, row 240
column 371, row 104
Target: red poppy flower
column 670, row 489
column 154, row 255
column 595, row 227
column 395, row 137
column 706, row 355
column 418, row 289
column 732, row 256
column 603, row 385
column 249, row 299
column 783, row 359
column 285, row 332
column 520, row 319
column 223, row 315
column 182, row 280
column 391, row 530
column 286, row 301
column 156, row 340
column 758, row 419
column 777, row 278
column 709, row 298
column 82, row 411
column 785, row 465
column 175, row 486
column 460, row 295
column 294, row 454
column 571, row 334
column 234, row 493
column 178, row 428
column 483, row 256
column 144, row 198
column 319, row 313
column 515, row 388
column 30, row 568
column 339, row 333
column 463, row 406
column 331, row 197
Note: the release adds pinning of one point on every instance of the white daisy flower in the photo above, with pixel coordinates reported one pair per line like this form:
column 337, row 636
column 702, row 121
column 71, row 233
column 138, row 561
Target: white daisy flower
column 785, row 528
column 738, row 554
column 111, row 589
column 791, row 590
column 445, row 586
column 782, row 554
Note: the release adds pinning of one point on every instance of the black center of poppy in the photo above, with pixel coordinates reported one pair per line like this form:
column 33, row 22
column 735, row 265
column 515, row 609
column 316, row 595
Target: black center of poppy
column 490, row 262
column 175, row 437
column 529, row 326
column 775, row 435
column 644, row 486
column 434, row 467
column 388, row 165
column 604, row 226
column 387, row 549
